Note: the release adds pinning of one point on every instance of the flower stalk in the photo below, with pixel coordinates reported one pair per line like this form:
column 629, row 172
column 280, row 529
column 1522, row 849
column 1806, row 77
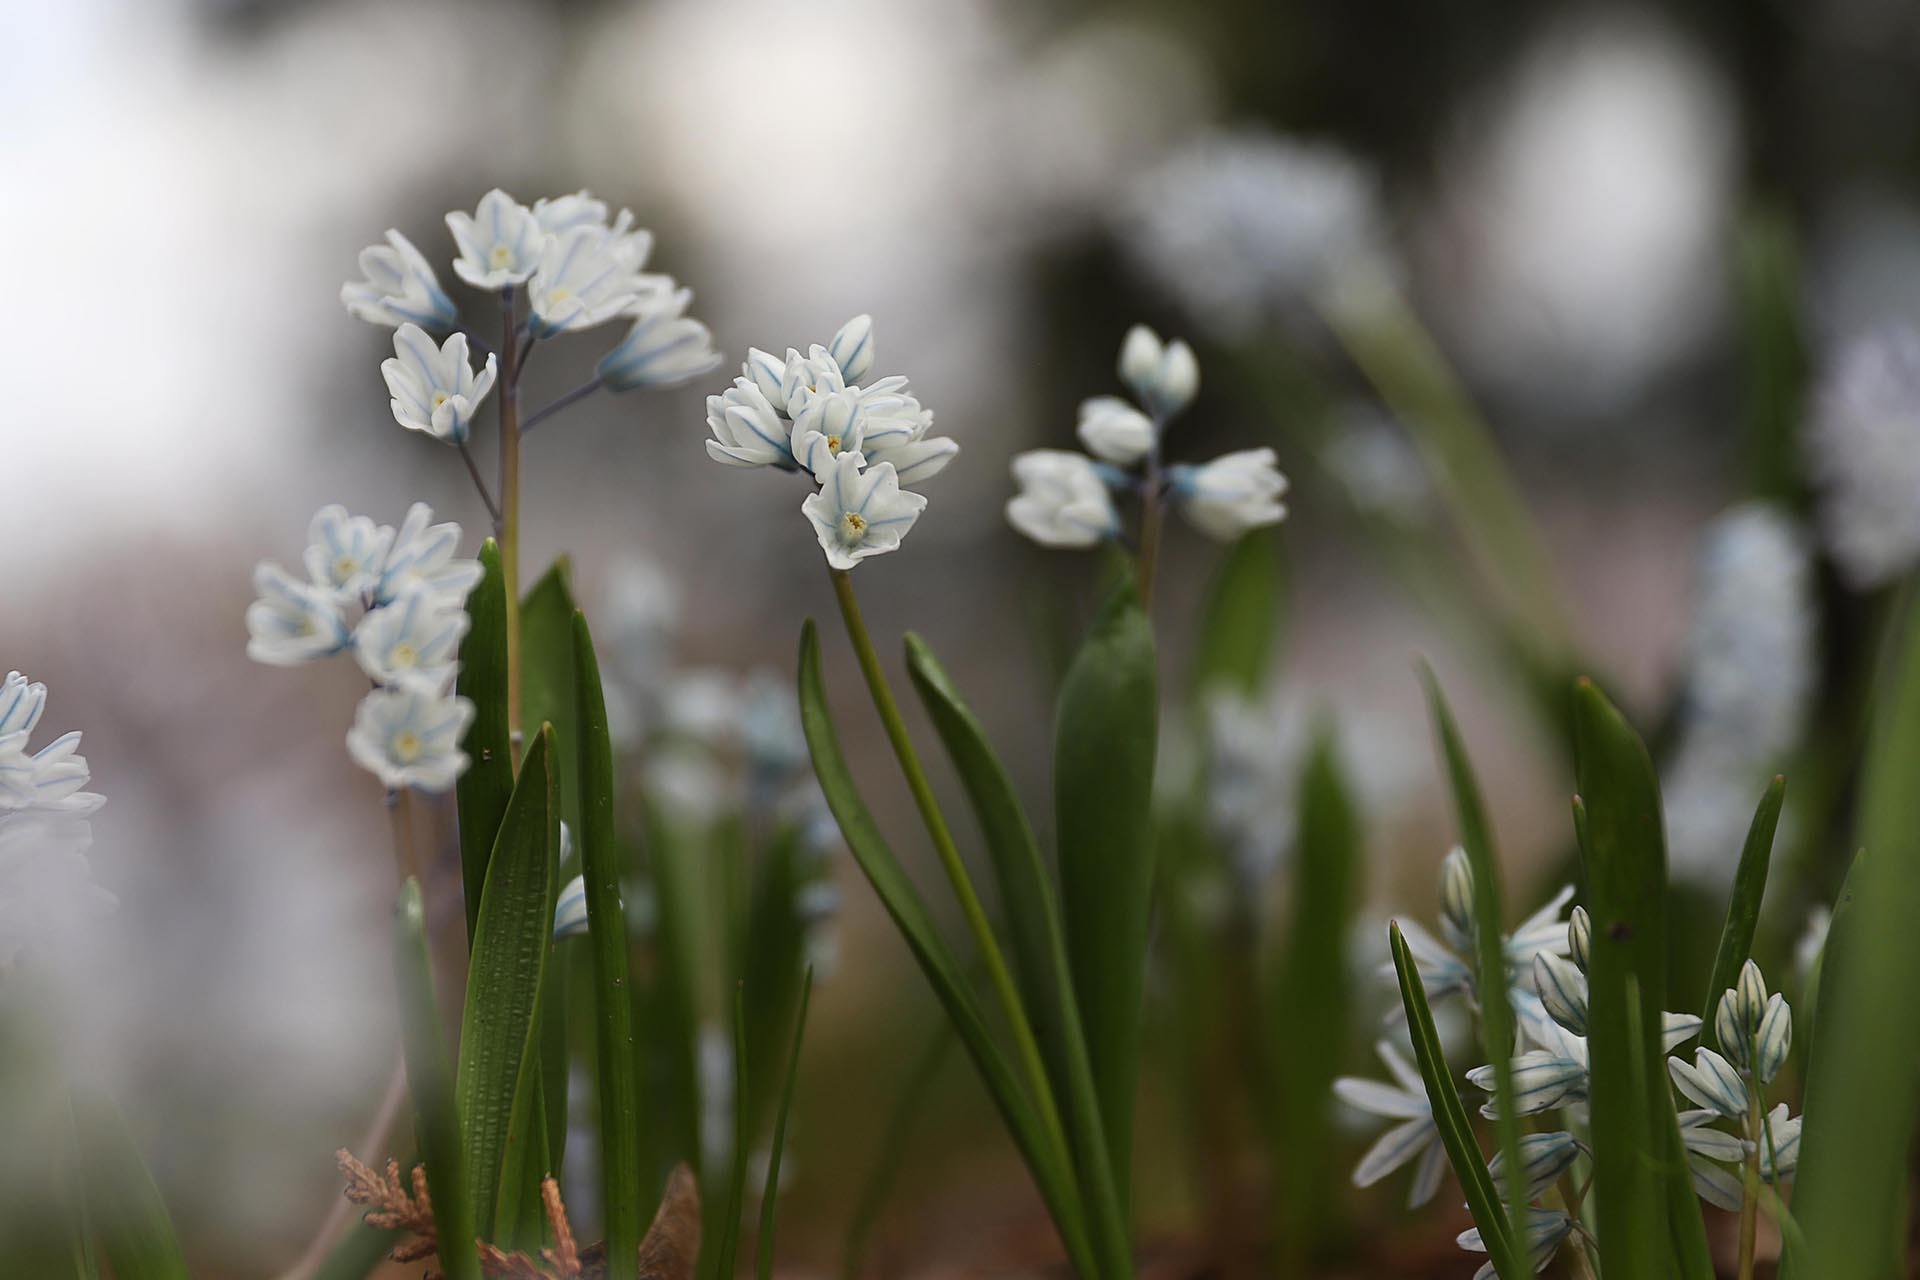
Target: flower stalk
column 507, row 518
column 998, row 974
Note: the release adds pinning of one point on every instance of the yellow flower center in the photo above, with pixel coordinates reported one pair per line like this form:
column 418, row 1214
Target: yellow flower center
column 345, row 567
column 853, row 525
column 406, row 746
column 405, row 655
column 440, row 398
column 502, row 256
column 833, row 445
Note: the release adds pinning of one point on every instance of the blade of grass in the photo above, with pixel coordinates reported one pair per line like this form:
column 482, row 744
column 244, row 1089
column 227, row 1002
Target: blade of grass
column 1105, row 733
column 1046, row 1159
column 1496, row 1008
column 548, row 679
column 482, row 792
column 1861, row 1101
column 1039, row 945
column 1314, row 999
column 617, row 1057
column 727, row 1246
column 436, row 1121
column 1743, row 908
column 1450, row 1117
column 770, row 1194
column 504, row 976
column 123, row 1205
column 1624, row 855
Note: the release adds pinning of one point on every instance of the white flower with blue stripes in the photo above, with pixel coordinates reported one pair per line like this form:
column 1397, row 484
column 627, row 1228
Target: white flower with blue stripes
column 585, row 277
column 398, row 288
column 860, row 511
column 434, row 389
column 1546, row 1231
column 293, row 621
column 410, row 737
column 663, row 347
column 422, row 557
column 1414, row 1140
column 413, row 641
column 345, row 552
column 1232, row 495
column 1063, row 499
column 48, row 780
column 500, row 242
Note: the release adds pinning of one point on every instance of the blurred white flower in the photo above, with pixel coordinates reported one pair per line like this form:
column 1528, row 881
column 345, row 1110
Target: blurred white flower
column 399, row 288
column 47, row 780
column 500, row 242
column 421, row 557
column 1748, row 681
column 410, row 737
column 1378, row 466
column 770, row 726
column 586, row 277
column 1231, row 495
column 345, row 553
column 1547, row 1230
column 293, row 621
column 47, row 889
column 1863, row 445
column 1244, row 228
column 860, row 511
column 1115, row 431
column 434, row 389
column 1415, row 1139
column 1063, row 501
column 703, row 705
column 687, row 785
column 1165, row 376
column 639, row 614
column 413, row 641
column 662, row 348
column 556, row 214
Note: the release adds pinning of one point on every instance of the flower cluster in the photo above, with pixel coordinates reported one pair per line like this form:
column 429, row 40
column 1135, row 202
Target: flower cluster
column 395, row 599
column 578, row 266
column 1755, row 1032
column 46, row 884
column 1066, row 498
column 1749, row 678
column 863, row 444
column 1247, row 228
column 1860, row 447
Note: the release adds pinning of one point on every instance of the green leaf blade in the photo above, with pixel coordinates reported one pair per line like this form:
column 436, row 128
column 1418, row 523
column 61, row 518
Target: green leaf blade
column 123, row 1205
column 1240, row 621
column 505, row 973
column 617, row 1052
column 770, row 1197
column 482, row 792
column 1743, row 908
column 1105, row 737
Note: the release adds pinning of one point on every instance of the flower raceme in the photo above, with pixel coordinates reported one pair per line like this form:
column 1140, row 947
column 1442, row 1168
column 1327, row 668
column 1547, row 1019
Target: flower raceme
column 864, row 445
column 1064, row 498
column 395, row 598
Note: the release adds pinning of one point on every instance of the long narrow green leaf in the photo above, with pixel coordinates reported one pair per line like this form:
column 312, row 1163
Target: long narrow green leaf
column 1496, row 1011
column 436, row 1123
column 727, row 1244
column 1049, row 1166
column 1450, row 1117
column 1743, row 908
column 483, row 789
column 123, row 1204
column 519, row 1219
column 1039, row 944
column 1103, row 756
column 1314, row 990
column 549, row 693
column 619, row 1067
column 504, row 975
column 1861, row 1098
column 772, row 955
column 908, row 1105
column 1240, row 621
column 770, row 1193
column 1626, row 871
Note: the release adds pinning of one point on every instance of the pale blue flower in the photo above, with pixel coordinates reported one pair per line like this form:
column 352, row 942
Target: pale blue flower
column 410, row 737
column 1232, row 495
column 1164, row 375
column 1543, row 1158
column 1712, row 1082
column 399, row 288
column 48, row 780
column 1062, row 502
column 345, row 553
column 293, row 621
column 21, row 702
column 1415, row 1138
column 1546, row 1231
column 860, row 511
column 586, row 277
column 413, row 641
column 582, row 208
column 748, row 431
column 500, row 242
column 434, row 389
column 421, row 557
column 662, row 348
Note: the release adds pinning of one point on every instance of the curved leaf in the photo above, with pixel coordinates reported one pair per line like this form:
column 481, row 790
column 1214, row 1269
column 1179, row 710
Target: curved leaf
column 482, row 791
column 770, row 1196
column 1743, row 908
column 123, row 1204
column 1240, row 622
column 910, row 916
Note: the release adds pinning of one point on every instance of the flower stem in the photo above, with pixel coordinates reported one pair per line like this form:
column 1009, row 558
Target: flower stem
column 1750, row 1188
column 400, row 815
column 507, row 526
column 1152, row 517
column 976, row 915
column 480, row 484
column 546, row 411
